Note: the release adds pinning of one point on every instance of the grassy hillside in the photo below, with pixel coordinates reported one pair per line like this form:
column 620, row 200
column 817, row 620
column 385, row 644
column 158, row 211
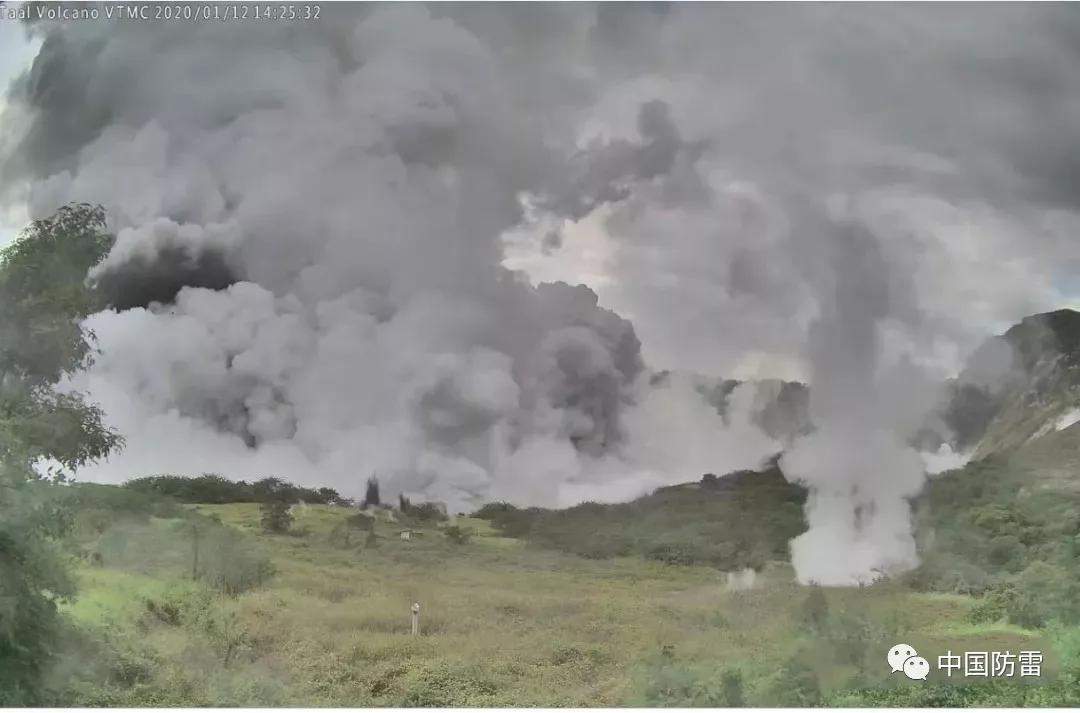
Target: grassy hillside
column 744, row 519
column 504, row 622
column 1007, row 528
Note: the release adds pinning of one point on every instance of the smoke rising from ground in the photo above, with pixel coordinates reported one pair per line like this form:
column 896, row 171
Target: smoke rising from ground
column 313, row 220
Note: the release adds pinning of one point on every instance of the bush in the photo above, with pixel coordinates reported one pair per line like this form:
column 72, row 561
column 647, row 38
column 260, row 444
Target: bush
column 814, row 612
column 343, row 533
column 446, row 685
column 510, row 521
column 1006, row 552
column 681, row 553
column 424, row 512
column 995, row 605
column 668, row 682
column 458, row 535
column 231, row 564
column 1040, row 594
column 852, row 637
column 944, row 572
column 1053, row 589
column 360, row 521
column 796, row 685
column 491, row 511
column 731, row 688
column 276, row 517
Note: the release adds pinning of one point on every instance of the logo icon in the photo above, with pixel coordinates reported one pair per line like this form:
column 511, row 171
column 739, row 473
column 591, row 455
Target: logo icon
column 904, row 657
column 916, row 668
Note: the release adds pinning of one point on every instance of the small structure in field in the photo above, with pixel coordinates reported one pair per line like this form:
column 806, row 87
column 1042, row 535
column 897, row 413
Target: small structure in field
column 406, row 535
column 741, row 580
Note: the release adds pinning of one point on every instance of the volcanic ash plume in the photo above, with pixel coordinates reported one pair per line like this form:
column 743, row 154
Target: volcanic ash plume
column 857, row 464
column 307, row 275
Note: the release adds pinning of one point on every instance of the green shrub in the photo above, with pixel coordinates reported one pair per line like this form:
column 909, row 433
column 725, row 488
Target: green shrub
column 1006, row 552
column 230, row 563
column 423, row 512
column 1040, row 594
column 348, row 532
column 360, row 521
column 275, row 516
column 731, row 688
column 458, row 535
column 667, row 682
column 681, row 553
column 796, row 685
column 814, row 611
column 507, row 519
column 853, row 637
column 945, row 572
column 448, row 685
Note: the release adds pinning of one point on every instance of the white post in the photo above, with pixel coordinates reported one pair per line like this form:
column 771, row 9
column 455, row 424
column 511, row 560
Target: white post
column 415, row 618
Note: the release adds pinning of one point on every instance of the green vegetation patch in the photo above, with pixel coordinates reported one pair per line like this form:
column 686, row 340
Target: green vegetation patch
column 742, row 520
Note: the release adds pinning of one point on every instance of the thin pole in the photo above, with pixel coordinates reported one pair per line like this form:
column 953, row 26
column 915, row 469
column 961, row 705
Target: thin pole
column 195, row 553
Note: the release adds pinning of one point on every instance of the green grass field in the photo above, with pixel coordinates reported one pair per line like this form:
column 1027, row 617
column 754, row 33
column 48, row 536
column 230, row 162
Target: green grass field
column 503, row 623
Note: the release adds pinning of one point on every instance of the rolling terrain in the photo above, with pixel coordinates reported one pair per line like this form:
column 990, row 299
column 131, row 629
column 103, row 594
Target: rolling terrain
column 198, row 592
column 505, row 620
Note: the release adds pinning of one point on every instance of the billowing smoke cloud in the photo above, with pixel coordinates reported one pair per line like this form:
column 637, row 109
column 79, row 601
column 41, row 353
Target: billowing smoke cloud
column 314, row 217
column 307, row 278
column 857, row 464
column 153, row 262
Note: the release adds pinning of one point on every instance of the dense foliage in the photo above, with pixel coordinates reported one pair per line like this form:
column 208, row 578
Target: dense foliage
column 985, row 530
column 212, row 488
column 371, row 493
column 43, row 293
column 42, row 299
column 421, row 512
column 275, row 516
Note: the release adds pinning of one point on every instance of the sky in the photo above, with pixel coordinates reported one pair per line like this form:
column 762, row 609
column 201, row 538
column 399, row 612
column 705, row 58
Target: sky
column 340, row 242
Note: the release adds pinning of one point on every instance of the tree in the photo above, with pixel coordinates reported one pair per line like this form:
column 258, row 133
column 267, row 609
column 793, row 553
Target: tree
column 329, row 496
column 371, row 495
column 271, row 489
column 43, row 298
column 44, row 295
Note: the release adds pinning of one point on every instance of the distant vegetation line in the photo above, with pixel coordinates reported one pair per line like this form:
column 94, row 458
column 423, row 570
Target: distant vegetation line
column 214, row 489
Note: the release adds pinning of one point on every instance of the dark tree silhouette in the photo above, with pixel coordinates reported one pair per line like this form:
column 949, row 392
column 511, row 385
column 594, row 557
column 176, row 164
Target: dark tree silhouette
column 371, row 496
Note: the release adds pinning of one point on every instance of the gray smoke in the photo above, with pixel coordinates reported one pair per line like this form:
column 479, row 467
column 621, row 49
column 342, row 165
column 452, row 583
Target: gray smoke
column 316, row 220
column 307, row 277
